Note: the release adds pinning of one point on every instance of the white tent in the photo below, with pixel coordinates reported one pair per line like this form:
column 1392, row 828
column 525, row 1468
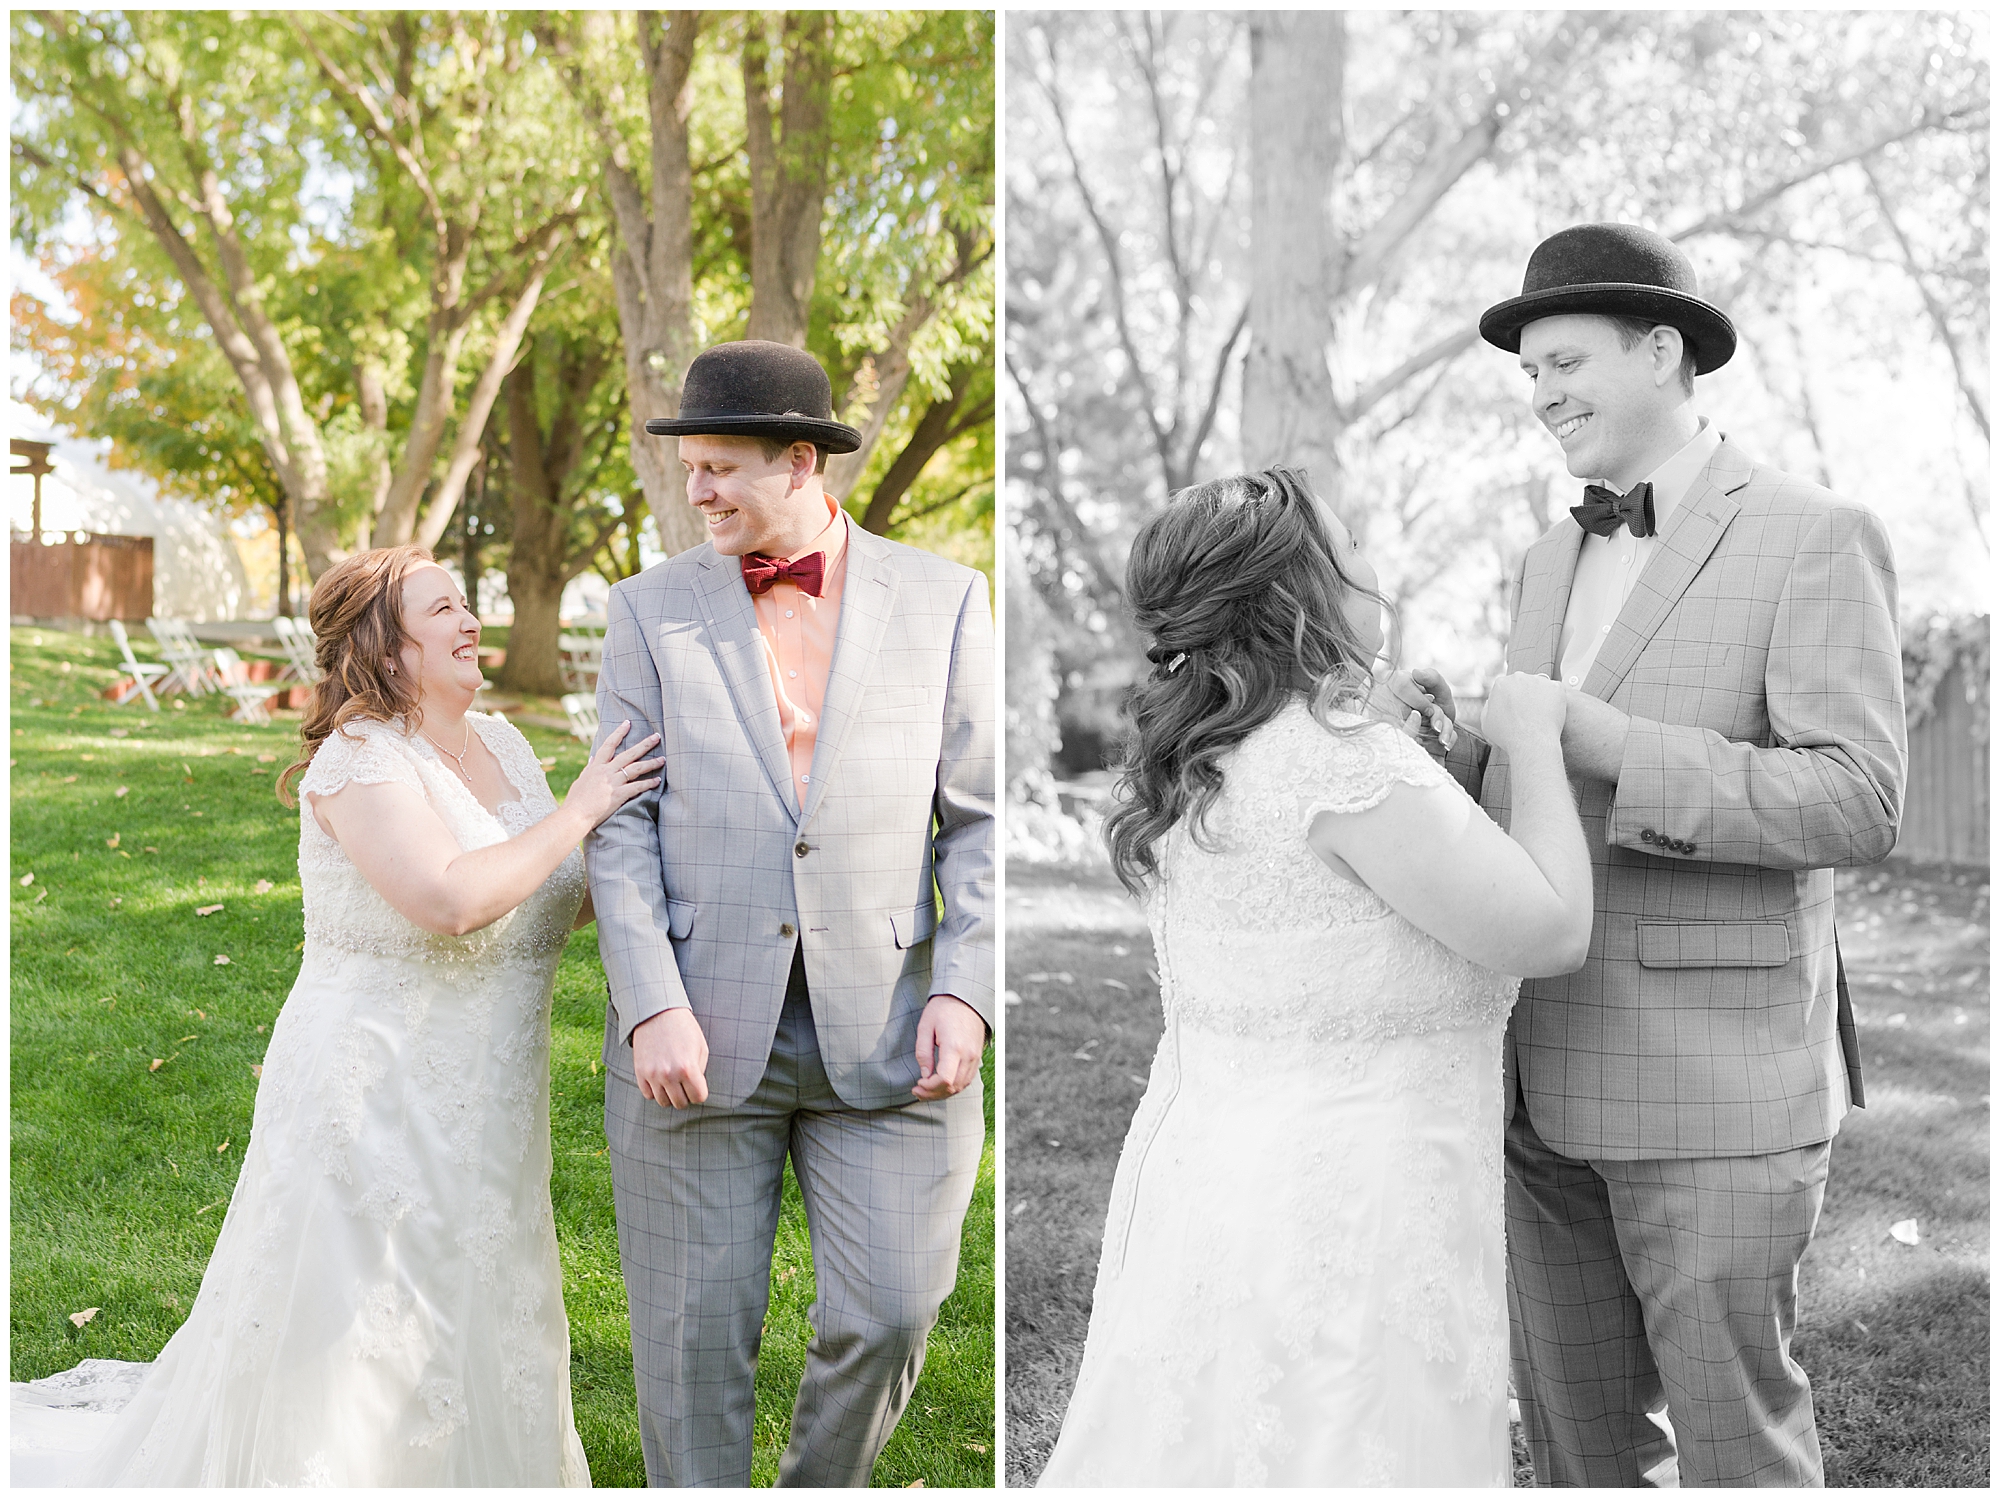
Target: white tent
column 197, row 573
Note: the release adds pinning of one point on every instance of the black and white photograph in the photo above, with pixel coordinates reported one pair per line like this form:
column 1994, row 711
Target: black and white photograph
column 1496, row 663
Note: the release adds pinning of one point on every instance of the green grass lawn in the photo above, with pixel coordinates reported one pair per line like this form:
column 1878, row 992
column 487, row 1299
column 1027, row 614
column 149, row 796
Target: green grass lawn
column 1894, row 1336
column 128, row 822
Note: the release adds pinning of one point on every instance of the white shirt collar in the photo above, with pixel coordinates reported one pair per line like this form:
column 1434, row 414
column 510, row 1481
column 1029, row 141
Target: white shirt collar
column 1676, row 475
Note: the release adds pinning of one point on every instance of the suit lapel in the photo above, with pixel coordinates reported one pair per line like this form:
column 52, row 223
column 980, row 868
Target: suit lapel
column 867, row 598
column 1691, row 535
column 739, row 652
column 1546, row 575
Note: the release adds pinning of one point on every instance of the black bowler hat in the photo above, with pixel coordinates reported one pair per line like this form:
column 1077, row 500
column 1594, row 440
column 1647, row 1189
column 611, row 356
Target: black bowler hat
column 1614, row 270
column 753, row 388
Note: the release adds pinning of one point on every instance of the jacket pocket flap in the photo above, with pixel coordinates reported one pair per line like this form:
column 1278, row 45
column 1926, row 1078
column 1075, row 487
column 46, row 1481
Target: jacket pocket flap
column 1714, row 944
column 913, row 926
column 894, row 699
column 680, row 918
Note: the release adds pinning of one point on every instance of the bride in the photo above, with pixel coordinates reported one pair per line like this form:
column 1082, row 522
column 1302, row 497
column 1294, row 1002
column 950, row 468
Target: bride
column 1302, row 1280
column 384, row 1303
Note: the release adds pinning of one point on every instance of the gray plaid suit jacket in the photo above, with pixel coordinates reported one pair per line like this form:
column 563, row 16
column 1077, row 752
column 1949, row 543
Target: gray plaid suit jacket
column 1758, row 658
column 704, row 886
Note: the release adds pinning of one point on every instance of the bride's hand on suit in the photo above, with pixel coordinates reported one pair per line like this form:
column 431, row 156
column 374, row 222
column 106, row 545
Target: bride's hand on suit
column 401, row 846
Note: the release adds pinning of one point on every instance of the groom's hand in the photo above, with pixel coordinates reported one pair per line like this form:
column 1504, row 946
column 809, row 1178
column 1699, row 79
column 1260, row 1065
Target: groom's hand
column 950, row 1039
column 670, row 1057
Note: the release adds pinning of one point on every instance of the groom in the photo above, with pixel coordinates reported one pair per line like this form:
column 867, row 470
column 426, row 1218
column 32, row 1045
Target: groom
column 1735, row 730
column 798, row 932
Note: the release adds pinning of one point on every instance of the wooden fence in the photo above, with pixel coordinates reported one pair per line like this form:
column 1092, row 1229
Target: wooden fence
column 1946, row 801
column 100, row 577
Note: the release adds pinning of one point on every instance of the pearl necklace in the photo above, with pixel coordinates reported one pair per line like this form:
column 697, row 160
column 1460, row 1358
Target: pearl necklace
column 460, row 756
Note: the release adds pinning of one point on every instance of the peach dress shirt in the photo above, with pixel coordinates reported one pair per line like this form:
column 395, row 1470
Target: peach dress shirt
column 798, row 631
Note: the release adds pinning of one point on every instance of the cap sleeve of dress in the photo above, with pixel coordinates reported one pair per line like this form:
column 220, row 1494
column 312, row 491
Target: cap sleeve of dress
column 364, row 751
column 1354, row 769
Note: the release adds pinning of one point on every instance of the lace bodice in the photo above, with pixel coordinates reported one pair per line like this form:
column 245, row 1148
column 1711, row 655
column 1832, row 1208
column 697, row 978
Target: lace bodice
column 343, row 910
column 1337, row 963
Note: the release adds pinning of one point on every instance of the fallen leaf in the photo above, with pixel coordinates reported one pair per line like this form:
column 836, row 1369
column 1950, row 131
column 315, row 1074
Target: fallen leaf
column 86, row 758
column 69, row 780
column 222, row 959
column 156, row 1065
column 257, row 1070
column 975, row 1446
column 1012, row 998
column 224, row 1201
column 26, row 880
column 917, row 1484
column 267, row 759
column 264, row 886
column 184, row 1040
column 220, row 1148
column 198, row 1014
column 1017, row 1209
column 1114, row 983
column 1897, row 1019
column 151, row 850
column 41, row 895
column 123, row 790
column 112, row 841
column 121, row 733
column 1904, row 1231
column 1121, row 951
column 206, row 909
column 84, row 1317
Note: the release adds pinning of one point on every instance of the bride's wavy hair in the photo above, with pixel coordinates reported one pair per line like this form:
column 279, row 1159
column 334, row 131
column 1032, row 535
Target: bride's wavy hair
column 357, row 615
column 1241, row 590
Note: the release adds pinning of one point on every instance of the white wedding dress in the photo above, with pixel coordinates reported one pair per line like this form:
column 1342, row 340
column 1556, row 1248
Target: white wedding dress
column 384, row 1303
column 1303, row 1272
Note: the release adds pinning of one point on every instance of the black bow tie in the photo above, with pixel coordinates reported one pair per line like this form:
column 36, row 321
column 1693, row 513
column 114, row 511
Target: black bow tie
column 1604, row 510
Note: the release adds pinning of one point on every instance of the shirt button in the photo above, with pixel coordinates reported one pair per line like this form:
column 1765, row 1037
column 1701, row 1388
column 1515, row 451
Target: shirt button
column 1646, row 834
column 1572, row 681
column 1606, row 630
column 805, row 780
column 1624, row 561
column 786, row 930
column 788, row 613
column 791, row 673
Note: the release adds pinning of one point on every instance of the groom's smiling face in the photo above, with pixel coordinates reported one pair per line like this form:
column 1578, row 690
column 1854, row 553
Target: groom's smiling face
column 752, row 503
column 1608, row 406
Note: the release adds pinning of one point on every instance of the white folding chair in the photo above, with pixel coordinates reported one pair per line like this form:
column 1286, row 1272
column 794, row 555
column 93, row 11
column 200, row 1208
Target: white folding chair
column 250, row 696
column 580, row 656
column 301, row 648
column 192, row 671
column 582, row 714
column 144, row 672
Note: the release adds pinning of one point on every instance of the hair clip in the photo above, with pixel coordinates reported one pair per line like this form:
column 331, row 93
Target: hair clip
column 1175, row 664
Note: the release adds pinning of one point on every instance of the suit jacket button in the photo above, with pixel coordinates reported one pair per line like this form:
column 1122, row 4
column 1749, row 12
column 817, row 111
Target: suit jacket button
column 802, row 849
column 1687, row 847
column 786, row 930
column 1646, row 835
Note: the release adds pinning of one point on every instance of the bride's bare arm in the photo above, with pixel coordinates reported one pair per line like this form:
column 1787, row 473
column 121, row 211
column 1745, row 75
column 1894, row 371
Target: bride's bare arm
column 405, row 851
column 1518, row 904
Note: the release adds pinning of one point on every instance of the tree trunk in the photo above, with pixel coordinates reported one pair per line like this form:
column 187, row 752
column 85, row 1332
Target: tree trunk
column 652, row 264
column 536, row 567
column 1297, row 63
column 788, row 170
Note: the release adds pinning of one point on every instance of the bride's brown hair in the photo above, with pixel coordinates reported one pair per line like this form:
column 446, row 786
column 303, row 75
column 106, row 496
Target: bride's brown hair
column 1241, row 589
column 357, row 615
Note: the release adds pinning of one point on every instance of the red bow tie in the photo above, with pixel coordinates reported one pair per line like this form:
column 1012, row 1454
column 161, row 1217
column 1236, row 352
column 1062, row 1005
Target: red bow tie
column 808, row 572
